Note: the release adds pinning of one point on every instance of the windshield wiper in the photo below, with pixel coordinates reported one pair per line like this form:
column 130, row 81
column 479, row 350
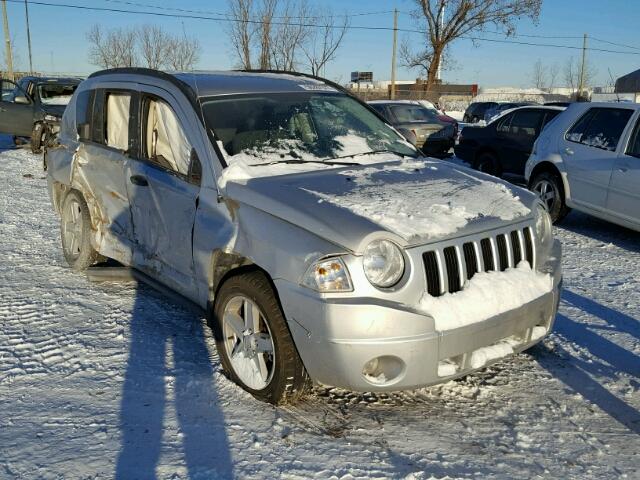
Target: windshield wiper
column 403, row 155
column 299, row 160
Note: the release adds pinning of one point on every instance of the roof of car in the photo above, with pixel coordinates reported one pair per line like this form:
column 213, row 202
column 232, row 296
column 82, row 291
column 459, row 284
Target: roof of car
column 213, row 83
column 63, row 80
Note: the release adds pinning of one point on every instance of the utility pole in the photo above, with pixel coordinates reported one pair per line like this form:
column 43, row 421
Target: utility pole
column 441, row 28
column 582, row 68
column 7, row 41
column 26, row 12
column 393, row 54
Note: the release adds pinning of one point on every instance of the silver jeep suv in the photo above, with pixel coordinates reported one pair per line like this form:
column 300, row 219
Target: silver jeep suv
column 320, row 243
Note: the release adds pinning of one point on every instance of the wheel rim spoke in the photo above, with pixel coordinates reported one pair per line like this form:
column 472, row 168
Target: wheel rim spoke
column 235, row 322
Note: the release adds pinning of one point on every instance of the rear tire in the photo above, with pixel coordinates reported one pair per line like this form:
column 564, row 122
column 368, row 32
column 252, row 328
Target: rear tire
column 253, row 340
column 548, row 186
column 75, row 225
column 488, row 163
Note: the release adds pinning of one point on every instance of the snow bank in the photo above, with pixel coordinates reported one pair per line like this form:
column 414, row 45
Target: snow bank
column 487, row 294
column 419, row 210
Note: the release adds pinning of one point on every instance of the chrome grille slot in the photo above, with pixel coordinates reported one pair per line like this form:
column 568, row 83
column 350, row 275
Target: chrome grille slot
column 448, row 267
column 503, row 252
column 453, row 269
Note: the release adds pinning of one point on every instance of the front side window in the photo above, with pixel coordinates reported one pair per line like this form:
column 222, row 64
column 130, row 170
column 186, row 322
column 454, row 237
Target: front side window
column 56, row 94
column 117, row 120
column 600, row 128
column 164, row 141
column 304, row 126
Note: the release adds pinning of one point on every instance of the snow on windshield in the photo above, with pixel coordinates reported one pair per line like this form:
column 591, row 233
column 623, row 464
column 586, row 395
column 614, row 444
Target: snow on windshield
column 487, row 294
column 417, row 209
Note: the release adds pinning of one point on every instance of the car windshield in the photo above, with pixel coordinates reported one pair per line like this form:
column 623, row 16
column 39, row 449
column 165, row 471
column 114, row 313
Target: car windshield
column 56, row 93
column 305, row 127
column 414, row 113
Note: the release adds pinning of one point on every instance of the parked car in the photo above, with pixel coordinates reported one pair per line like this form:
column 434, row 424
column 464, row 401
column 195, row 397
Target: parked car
column 503, row 146
column 318, row 241
column 33, row 102
column 589, row 159
column 476, row 111
column 434, row 136
column 442, row 116
column 501, row 108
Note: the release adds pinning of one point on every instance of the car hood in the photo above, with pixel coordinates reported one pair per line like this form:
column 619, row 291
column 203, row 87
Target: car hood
column 412, row 202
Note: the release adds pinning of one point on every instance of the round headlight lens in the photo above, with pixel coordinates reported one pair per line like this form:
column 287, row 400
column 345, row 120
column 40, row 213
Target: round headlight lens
column 543, row 224
column 383, row 263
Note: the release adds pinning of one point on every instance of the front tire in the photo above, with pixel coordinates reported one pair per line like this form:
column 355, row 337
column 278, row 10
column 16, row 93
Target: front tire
column 75, row 224
column 548, row 186
column 253, row 340
column 37, row 138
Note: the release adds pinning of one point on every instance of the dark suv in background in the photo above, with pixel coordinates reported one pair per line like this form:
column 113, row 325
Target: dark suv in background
column 33, row 106
column 476, row 111
column 504, row 145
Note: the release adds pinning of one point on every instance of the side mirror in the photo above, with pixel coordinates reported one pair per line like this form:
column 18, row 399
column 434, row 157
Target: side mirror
column 409, row 135
column 195, row 168
column 84, row 131
column 22, row 100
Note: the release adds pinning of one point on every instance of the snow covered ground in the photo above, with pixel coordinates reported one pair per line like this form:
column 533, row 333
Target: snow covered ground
column 112, row 380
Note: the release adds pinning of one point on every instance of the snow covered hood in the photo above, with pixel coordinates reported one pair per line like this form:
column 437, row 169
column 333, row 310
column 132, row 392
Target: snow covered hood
column 414, row 201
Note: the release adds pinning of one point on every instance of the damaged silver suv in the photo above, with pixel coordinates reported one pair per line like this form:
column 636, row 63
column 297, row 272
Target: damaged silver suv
column 321, row 244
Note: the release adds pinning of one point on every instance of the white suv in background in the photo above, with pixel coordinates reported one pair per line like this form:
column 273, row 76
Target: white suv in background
column 588, row 158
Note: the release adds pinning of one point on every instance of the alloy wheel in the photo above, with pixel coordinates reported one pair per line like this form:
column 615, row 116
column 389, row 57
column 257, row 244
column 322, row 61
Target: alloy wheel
column 72, row 228
column 248, row 342
column 547, row 192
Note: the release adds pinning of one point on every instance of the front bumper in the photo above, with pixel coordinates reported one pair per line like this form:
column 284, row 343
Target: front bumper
column 339, row 339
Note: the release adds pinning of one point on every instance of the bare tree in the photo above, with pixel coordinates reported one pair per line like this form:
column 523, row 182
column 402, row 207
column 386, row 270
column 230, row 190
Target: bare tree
column 324, row 41
column 265, row 32
column 183, row 54
column 115, row 48
column 572, row 71
column 448, row 20
column 155, row 45
column 554, row 71
column 539, row 75
column 241, row 30
column 290, row 35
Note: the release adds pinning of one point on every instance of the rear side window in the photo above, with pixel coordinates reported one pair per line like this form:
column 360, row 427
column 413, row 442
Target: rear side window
column 600, row 128
column 550, row 117
column 525, row 123
column 84, row 109
column 634, row 144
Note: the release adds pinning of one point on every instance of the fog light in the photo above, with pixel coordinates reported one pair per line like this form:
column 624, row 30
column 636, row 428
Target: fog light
column 383, row 370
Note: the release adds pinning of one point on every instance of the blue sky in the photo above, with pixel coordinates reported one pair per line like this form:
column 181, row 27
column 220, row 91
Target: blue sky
column 58, row 37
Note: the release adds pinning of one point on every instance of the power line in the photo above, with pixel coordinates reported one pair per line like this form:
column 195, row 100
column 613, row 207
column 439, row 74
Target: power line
column 613, row 43
column 313, row 25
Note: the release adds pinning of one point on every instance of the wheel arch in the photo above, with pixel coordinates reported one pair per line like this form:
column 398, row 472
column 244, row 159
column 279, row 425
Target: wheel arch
column 550, row 167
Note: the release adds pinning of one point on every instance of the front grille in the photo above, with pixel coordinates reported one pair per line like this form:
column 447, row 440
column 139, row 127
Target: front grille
column 448, row 269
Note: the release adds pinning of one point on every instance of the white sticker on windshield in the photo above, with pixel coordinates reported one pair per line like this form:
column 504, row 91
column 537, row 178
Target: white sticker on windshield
column 317, row 87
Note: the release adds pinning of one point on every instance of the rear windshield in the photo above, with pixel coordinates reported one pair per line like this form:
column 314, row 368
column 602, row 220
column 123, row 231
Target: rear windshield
column 264, row 128
column 56, row 93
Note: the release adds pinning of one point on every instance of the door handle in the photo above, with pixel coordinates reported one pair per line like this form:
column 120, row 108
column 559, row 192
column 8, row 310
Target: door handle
column 568, row 151
column 139, row 180
column 622, row 169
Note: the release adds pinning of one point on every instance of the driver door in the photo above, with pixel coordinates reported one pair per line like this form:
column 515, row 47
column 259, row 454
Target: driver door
column 16, row 110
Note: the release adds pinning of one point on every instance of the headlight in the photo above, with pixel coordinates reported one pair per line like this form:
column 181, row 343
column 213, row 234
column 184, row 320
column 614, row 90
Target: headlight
column 328, row 275
column 543, row 223
column 383, row 263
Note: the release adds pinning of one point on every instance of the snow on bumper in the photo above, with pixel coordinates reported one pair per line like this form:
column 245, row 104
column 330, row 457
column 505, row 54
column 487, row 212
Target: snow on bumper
column 372, row 345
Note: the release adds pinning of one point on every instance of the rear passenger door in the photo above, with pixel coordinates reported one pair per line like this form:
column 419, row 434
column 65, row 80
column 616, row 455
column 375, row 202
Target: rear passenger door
column 589, row 152
column 523, row 130
column 104, row 131
column 164, row 184
column 624, row 189
column 16, row 110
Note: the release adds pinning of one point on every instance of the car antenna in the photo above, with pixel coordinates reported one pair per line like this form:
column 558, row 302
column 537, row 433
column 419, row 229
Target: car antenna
column 614, row 85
